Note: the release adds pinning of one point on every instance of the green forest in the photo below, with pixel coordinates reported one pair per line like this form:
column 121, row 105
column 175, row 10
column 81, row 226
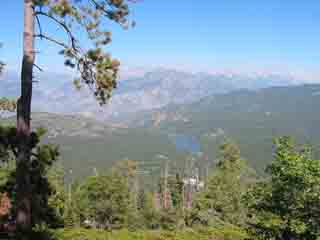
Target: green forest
column 232, row 202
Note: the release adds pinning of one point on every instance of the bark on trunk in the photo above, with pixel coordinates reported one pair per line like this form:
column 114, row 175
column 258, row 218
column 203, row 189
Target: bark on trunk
column 24, row 194
column 165, row 191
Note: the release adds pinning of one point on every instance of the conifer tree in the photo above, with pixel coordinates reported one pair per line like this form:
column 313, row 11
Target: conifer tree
column 176, row 189
column 221, row 199
column 43, row 189
column 97, row 69
column 105, row 201
column 286, row 205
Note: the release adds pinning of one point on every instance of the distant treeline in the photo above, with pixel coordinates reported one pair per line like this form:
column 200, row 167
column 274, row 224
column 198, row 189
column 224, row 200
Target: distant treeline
column 231, row 199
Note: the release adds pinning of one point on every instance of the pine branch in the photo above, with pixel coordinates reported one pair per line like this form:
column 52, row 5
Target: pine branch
column 63, row 25
column 35, row 65
column 39, row 24
column 50, row 39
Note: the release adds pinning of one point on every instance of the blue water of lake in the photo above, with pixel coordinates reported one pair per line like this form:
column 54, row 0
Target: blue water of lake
column 185, row 143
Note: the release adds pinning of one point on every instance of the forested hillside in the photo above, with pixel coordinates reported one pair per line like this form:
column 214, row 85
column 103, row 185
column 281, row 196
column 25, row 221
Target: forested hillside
column 87, row 144
column 251, row 118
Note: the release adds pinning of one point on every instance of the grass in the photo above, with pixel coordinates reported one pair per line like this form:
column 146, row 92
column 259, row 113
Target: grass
column 187, row 234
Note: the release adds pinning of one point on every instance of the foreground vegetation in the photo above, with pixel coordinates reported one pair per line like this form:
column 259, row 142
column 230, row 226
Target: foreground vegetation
column 232, row 203
column 187, row 234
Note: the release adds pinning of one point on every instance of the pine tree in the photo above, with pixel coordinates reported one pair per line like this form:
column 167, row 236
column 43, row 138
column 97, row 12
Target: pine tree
column 105, row 201
column 286, row 205
column 222, row 197
column 96, row 69
column 43, row 187
column 176, row 189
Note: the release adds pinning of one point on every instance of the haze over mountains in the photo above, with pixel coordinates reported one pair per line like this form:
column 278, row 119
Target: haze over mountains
column 253, row 118
column 173, row 113
column 138, row 92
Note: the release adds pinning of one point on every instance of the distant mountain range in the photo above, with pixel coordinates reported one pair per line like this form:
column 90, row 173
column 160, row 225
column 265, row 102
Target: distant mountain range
column 153, row 90
column 253, row 118
column 250, row 117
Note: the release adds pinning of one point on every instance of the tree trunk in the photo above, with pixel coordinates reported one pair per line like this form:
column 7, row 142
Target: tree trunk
column 24, row 193
column 165, row 191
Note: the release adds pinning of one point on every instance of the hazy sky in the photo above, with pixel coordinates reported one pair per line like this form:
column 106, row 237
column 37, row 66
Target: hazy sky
column 213, row 35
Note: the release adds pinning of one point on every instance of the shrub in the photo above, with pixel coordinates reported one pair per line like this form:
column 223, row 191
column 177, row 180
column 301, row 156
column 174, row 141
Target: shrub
column 228, row 233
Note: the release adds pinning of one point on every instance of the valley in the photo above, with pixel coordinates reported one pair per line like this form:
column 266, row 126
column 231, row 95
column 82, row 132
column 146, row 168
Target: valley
column 252, row 118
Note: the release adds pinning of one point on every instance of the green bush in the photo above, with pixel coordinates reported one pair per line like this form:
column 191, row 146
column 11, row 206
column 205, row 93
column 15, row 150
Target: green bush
column 231, row 233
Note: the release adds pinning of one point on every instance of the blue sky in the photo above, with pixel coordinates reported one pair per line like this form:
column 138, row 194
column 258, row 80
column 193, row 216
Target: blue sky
column 211, row 35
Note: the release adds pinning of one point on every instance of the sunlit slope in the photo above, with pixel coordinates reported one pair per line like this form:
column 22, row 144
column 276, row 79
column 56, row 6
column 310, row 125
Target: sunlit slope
column 252, row 118
column 86, row 144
